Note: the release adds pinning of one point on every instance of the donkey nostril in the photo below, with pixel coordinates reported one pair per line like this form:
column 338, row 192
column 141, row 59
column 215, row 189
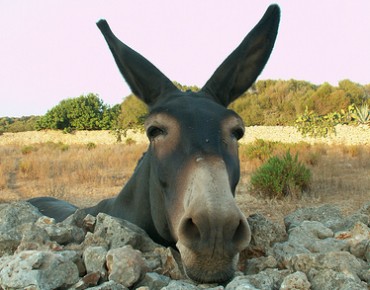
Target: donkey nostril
column 190, row 230
column 241, row 236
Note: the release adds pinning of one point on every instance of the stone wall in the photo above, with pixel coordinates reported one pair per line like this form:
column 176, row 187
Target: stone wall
column 349, row 135
column 317, row 249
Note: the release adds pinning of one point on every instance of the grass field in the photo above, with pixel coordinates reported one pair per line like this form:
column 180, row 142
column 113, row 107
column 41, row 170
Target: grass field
column 85, row 174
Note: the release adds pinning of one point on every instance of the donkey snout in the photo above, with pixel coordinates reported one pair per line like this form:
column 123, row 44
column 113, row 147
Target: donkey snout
column 225, row 233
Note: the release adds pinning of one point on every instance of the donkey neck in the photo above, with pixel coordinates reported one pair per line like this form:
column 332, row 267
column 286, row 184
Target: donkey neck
column 135, row 202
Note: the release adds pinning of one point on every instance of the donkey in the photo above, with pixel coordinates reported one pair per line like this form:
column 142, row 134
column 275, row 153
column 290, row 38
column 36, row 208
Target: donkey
column 182, row 191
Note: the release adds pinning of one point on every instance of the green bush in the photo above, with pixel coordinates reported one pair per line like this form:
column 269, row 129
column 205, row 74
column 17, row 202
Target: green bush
column 90, row 146
column 82, row 113
column 281, row 177
column 28, row 149
column 314, row 125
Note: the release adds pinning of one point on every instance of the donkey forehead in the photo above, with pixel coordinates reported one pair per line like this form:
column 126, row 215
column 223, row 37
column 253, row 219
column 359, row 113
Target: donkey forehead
column 191, row 109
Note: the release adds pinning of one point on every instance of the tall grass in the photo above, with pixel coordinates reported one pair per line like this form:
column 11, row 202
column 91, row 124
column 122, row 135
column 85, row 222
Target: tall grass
column 67, row 172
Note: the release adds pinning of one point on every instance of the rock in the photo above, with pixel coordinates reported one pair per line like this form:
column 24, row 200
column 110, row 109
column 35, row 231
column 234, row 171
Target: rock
column 336, row 261
column 210, row 286
column 110, row 285
column 307, row 237
column 358, row 239
column 90, row 279
column 329, row 279
column 365, row 210
column 39, row 269
column 125, row 265
column 265, row 280
column 35, row 238
column 264, row 234
column 12, row 217
column 95, row 240
column 62, row 233
column 329, row 215
column 180, row 285
column 256, row 265
column 170, row 263
column 154, row 281
column 89, row 223
column 82, row 252
column 296, row 281
column 94, row 258
column 119, row 233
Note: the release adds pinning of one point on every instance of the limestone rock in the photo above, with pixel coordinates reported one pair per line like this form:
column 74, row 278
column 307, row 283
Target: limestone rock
column 329, row 279
column 307, row 237
column 154, row 281
column 296, row 281
column 265, row 280
column 90, row 279
column 110, row 285
column 39, row 269
column 125, row 265
column 94, row 258
column 120, row 233
column 180, row 285
column 170, row 263
column 264, row 234
column 12, row 217
column 337, row 261
column 256, row 265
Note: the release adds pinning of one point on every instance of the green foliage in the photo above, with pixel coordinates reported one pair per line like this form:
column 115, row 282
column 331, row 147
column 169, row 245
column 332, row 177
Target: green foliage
column 313, row 125
column 267, row 102
column 278, row 102
column 82, row 113
column 22, row 124
column 131, row 117
column 362, row 114
column 185, row 88
column 130, row 141
column 28, row 149
column 90, row 146
column 281, row 177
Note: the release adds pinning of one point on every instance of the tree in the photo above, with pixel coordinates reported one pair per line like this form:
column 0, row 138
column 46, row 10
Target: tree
column 132, row 115
column 82, row 113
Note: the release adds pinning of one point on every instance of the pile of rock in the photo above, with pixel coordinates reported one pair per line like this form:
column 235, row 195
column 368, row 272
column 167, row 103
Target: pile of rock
column 318, row 249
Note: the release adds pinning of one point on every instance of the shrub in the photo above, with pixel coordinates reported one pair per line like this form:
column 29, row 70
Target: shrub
column 82, row 113
column 281, row 177
column 130, row 141
column 27, row 149
column 90, row 146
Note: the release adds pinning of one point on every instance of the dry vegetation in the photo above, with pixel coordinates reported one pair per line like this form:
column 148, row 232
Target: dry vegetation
column 85, row 174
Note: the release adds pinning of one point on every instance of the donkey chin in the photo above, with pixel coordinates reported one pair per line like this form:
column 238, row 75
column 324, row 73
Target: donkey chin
column 214, row 268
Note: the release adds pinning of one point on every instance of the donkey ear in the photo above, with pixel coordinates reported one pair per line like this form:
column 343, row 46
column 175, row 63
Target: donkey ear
column 146, row 81
column 239, row 71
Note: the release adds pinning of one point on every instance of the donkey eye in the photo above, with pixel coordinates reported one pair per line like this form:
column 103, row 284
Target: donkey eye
column 154, row 131
column 237, row 133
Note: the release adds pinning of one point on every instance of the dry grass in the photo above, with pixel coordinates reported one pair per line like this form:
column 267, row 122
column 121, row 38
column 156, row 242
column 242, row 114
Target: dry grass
column 340, row 176
column 84, row 174
column 77, row 173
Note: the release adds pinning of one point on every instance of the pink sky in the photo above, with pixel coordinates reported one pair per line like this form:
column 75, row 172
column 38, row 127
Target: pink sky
column 52, row 50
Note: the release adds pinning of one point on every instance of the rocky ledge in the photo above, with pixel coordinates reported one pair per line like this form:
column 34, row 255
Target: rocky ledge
column 317, row 249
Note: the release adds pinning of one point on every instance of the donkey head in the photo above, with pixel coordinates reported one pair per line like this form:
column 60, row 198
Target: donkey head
column 193, row 151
